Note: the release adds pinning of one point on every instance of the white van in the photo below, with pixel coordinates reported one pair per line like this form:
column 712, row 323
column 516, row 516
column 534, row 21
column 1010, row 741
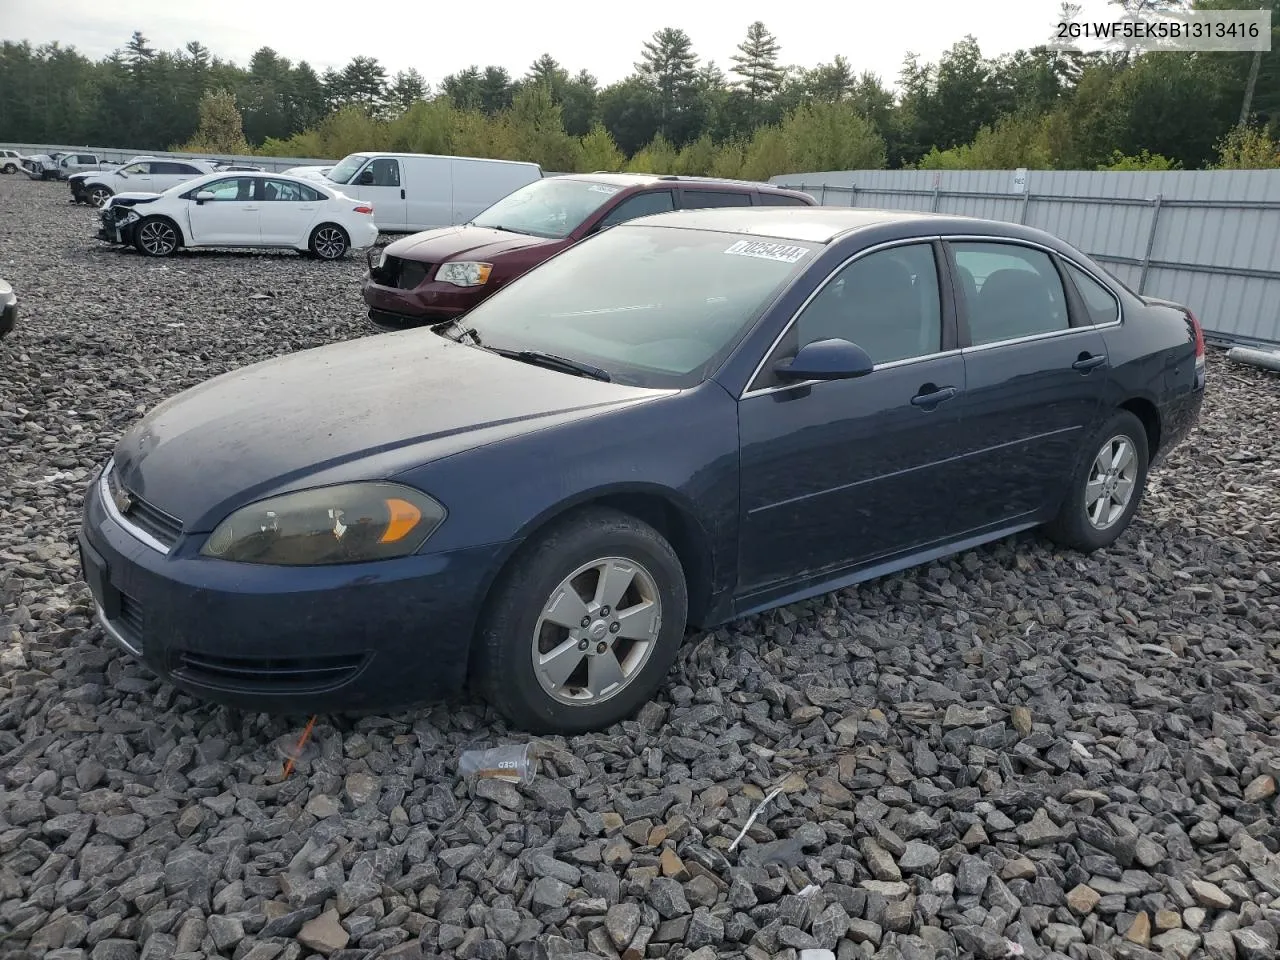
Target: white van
column 420, row 191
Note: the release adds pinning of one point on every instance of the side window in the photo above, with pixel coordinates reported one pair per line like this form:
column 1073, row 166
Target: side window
column 778, row 200
column 309, row 195
column 701, row 199
column 639, row 205
column 137, row 168
column 886, row 302
column 282, row 190
column 186, row 170
column 86, row 158
column 234, row 188
column 1010, row 291
column 1102, row 305
column 386, row 172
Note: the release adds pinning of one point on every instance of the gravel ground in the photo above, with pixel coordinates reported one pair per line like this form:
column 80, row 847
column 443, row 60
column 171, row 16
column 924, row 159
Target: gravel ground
column 1019, row 752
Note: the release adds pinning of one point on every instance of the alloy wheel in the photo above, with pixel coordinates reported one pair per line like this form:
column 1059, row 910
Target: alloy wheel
column 597, row 631
column 330, row 243
column 99, row 196
column 1112, row 480
column 157, row 238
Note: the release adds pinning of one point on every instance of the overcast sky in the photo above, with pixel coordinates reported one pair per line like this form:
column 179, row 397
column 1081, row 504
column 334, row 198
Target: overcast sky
column 601, row 37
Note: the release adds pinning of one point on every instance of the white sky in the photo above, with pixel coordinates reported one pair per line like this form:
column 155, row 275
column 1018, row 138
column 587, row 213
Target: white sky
column 601, row 37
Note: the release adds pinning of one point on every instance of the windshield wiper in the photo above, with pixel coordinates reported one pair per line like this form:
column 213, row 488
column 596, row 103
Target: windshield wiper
column 464, row 333
column 557, row 363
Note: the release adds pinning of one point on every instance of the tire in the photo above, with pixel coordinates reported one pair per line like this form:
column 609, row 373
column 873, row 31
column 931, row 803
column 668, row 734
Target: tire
column 99, row 195
column 514, row 630
column 157, row 237
column 329, row 242
column 10, row 168
column 1075, row 526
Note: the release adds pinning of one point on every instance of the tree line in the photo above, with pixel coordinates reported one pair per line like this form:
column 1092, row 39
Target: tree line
column 756, row 117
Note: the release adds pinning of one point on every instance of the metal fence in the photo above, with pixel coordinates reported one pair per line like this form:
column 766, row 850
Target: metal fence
column 1209, row 239
column 122, row 155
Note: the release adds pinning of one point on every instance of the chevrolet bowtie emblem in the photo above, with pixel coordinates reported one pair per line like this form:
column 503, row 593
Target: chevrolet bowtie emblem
column 123, row 501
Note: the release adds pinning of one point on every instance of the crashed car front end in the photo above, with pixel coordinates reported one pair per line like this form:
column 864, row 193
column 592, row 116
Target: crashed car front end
column 76, row 184
column 119, row 217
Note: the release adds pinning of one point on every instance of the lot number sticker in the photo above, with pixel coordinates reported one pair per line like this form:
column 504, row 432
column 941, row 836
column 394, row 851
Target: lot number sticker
column 763, row 250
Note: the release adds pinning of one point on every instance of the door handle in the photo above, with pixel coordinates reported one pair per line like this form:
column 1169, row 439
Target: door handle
column 1087, row 362
column 931, row 398
column 402, row 193
column 249, row 209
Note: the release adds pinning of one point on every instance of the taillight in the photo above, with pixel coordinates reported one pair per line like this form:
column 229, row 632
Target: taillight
column 1199, row 333
column 364, row 208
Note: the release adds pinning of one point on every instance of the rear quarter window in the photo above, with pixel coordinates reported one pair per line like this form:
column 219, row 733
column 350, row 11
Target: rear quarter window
column 704, row 199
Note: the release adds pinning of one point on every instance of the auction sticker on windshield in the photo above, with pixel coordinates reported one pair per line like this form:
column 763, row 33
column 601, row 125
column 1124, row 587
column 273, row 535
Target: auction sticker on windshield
column 764, row 250
column 600, row 188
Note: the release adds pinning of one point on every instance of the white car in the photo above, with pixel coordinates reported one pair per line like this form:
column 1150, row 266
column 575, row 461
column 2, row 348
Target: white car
column 10, row 161
column 153, row 174
column 241, row 210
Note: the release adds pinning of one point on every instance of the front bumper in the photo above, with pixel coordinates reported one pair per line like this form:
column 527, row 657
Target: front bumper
column 115, row 230
column 428, row 302
column 78, row 192
column 356, row 637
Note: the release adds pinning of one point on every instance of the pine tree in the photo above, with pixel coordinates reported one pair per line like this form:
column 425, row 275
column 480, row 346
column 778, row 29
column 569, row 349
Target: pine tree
column 757, row 64
column 221, row 129
column 667, row 61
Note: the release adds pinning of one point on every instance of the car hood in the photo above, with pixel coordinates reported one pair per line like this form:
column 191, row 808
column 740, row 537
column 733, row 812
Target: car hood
column 452, row 243
column 132, row 197
column 345, row 411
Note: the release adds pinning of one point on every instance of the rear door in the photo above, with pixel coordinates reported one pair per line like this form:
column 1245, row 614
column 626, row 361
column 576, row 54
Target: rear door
column 1036, row 376
column 289, row 211
column 383, row 183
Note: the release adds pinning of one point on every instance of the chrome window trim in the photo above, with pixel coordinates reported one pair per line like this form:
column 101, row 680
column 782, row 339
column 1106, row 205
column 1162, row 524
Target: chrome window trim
column 747, row 392
column 109, row 504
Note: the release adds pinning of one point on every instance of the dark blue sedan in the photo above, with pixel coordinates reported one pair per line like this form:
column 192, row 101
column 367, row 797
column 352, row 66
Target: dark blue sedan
column 679, row 421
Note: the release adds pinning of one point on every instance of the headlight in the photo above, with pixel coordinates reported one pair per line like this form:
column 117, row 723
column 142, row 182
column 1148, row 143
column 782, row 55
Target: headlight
column 350, row 523
column 464, row 273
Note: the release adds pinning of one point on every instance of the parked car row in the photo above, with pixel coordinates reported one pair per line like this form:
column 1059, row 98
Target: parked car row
column 711, row 413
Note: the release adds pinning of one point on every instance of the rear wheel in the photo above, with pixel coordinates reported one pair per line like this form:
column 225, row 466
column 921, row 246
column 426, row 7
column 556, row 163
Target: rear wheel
column 329, row 242
column 99, row 195
column 583, row 627
column 10, row 168
column 156, row 237
column 1107, row 487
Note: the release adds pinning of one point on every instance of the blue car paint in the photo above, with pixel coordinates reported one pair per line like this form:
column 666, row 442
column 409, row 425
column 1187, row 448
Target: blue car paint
column 771, row 498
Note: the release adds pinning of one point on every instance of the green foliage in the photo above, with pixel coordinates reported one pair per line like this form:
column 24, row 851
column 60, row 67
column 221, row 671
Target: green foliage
column 221, row 129
column 1248, row 148
column 599, row 152
column 1036, row 108
column 1142, row 161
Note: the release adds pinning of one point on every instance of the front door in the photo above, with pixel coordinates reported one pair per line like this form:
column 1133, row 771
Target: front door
column 382, row 183
column 230, row 218
column 1036, row 380
column 851, row 472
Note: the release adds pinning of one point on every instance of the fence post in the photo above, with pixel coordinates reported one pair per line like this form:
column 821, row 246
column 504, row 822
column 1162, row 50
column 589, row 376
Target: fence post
column 823, row 201
column 853, row 194
column 1151, row 241
column 937, row 190
column 1022, row 212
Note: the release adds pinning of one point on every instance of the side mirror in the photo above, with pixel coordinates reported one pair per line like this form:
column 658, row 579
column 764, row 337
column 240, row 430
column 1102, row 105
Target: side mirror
column 365, row 178
column 825, row 360
column 204, row 195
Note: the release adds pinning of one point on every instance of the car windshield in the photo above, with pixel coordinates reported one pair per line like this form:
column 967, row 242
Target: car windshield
column 650, row 306
column 550, row 208
column 346, row 168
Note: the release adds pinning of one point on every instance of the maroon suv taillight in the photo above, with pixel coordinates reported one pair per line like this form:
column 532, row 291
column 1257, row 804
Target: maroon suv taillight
column 1199, row 334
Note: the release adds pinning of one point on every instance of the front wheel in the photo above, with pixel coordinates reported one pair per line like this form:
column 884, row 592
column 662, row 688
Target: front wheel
column 156, row 237
column 10, row 168
column 329, row 242
column 99, row 196
column 1107, row 487
column 582, row 629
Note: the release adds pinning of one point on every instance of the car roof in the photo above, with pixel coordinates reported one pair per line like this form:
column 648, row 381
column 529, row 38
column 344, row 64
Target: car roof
column 819, row 224
column 646, row 179
column 438, row 156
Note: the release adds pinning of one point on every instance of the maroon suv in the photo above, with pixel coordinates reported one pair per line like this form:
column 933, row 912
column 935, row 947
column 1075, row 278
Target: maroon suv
column 437, row 275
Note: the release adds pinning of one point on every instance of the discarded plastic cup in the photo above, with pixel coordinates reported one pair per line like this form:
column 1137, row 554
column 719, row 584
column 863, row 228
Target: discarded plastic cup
column 513, row 762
